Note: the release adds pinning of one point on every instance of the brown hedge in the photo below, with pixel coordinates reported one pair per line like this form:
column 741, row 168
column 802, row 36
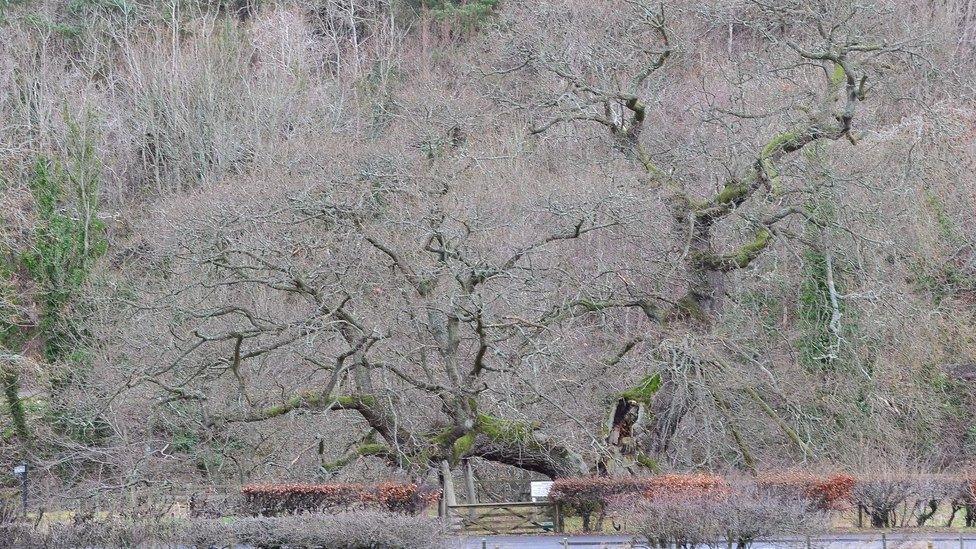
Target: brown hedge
column 277, row 499
column 825, row 492
column 589, row 493
column 831, row 491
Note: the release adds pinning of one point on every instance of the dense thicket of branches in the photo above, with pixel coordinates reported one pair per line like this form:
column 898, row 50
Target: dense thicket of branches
column 247, row 240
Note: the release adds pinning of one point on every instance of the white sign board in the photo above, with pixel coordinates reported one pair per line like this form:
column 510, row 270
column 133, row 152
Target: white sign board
column 20, row 470
column 540, row 489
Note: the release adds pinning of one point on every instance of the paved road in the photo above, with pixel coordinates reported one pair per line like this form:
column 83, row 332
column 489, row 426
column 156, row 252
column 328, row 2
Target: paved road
column 843, row 541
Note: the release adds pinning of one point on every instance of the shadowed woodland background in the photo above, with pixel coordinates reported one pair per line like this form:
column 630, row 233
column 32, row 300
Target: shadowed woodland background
column 274, row 240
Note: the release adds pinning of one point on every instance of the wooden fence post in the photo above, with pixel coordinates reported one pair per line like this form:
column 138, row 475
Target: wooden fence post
column 469, row 480
column 469, row 486
column 450, row 499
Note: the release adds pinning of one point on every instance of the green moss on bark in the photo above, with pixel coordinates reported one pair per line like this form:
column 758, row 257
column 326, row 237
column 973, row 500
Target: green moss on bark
column 15, row 406
column 752, row 249
column 732, row 192
column 462, row 445
column 503, row 429
column 644, row 391
column 785, row 141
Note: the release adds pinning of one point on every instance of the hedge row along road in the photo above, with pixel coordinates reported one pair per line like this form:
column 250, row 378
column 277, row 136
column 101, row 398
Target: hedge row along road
column 834, row 541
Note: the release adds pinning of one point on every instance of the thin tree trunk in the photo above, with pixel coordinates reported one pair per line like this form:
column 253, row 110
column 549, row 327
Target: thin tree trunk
column 10, row 380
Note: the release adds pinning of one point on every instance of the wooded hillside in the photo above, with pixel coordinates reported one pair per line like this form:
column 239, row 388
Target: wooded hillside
column 248, row 240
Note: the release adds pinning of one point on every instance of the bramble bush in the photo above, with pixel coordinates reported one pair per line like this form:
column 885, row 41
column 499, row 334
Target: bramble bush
column 739, row 516
column 347, row 530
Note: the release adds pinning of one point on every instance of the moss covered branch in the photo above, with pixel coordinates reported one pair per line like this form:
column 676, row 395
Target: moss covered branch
column 367, row 448
column 510, row 442
column 306, row 400
column 739, row 259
